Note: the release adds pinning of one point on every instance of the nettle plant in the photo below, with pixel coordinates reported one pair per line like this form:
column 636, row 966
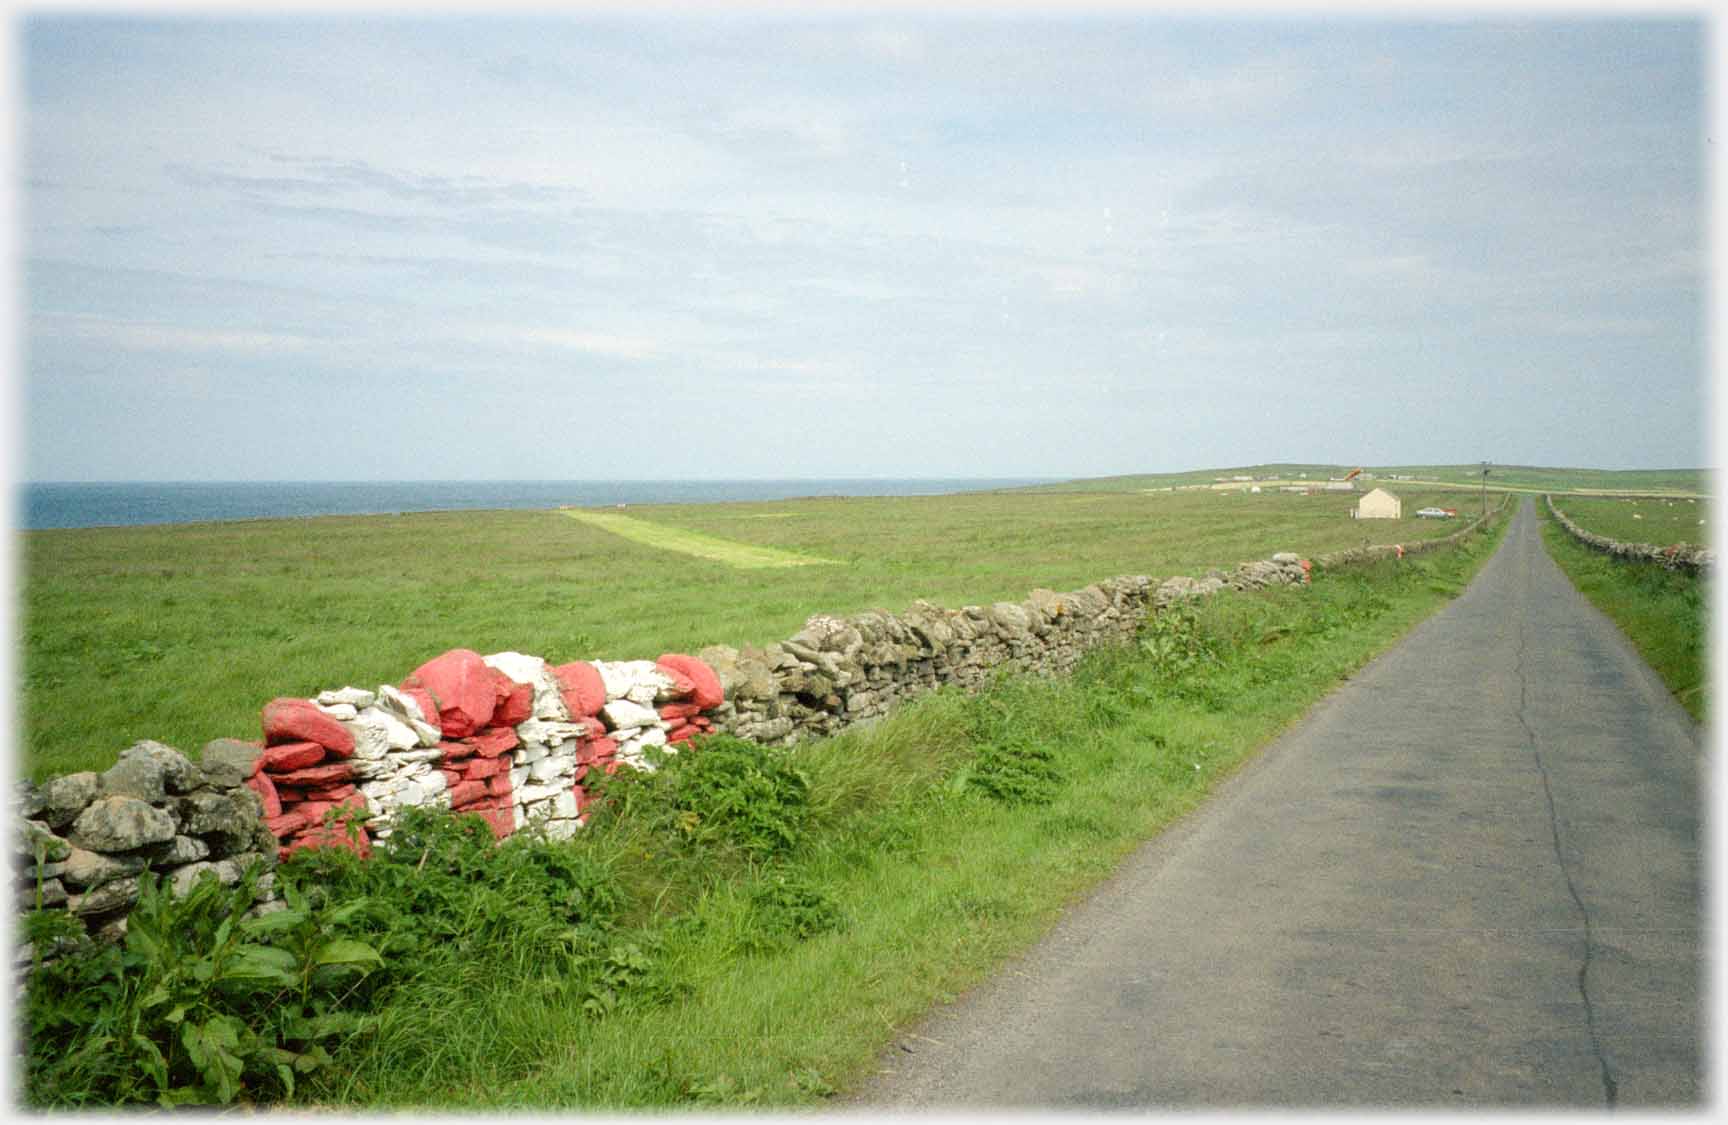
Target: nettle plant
column 200, row 1005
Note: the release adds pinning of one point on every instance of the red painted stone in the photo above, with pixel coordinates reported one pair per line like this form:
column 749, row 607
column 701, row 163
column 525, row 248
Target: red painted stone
column 485, row 767
column 291, row 756
column 261, row 784
column 452, row 777
column 707, row 693
column 329, row 792
column 581, row 772
column 672, row 712
column 682, row 734
column 455, row 751
column 499, row 786
column 611, row 765
column 594, row 750
column 580, row 684
column 284, row 824
column 503, row 821
column 317, row 775
column 466, row 792
column 299, row 720
column 494, row 741
column 681, row 687
column 462, row 686
column 332, row 836
column 516, row 707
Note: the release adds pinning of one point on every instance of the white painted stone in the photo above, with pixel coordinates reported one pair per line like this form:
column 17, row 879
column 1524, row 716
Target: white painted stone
column 530, row 794
column 622, row 714
column 654, row 736
column 426, row 728
column 531, row 752
column 353, row 696
column 415, row 757
column 632, row 679
column 337, row 710
column 543, row 732
column 433, row 783
column 370, row 770
column 393, row 731
column 548, row 768
column 564, row 804
column 518, row 777
column 561, row 828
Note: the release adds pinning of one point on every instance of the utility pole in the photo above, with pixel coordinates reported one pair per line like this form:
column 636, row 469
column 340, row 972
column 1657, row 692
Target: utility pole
column 1484, row 490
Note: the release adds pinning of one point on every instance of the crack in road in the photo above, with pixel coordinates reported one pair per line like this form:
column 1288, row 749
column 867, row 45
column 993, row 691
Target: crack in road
column 1610, row 1090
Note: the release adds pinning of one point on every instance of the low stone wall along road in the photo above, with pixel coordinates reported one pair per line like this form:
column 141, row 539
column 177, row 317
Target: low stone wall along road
column 1469, row 878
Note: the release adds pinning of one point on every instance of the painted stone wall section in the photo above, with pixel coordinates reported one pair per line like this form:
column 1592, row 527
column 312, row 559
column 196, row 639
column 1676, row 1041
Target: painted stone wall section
column 1687, row 557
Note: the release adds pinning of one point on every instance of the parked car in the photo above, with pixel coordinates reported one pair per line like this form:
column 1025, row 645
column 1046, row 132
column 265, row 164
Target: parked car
column 1433, row 514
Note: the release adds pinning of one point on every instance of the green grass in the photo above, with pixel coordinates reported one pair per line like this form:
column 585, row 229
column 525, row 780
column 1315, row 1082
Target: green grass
column 750, row 927
column 182, row 633
column 1664, row 613
column 1662, row 522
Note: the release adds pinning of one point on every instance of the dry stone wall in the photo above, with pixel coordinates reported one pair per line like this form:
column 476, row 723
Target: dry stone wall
column 512, row 737
column 1687, row 557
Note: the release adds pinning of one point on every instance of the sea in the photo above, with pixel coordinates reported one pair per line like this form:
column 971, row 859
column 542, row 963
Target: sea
column 43, row 505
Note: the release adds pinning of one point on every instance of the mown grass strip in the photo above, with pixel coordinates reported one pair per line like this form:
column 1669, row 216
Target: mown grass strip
column 741, row 555
column 1664, row 613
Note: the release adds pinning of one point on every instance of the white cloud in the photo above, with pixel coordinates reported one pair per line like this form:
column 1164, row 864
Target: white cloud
column 155, row 337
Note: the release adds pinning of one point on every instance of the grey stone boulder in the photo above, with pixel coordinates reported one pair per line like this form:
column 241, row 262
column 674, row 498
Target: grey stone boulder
column 203, row 814
column 53, row 894
column 226, row 762
column 65, row 797
column 1287, row 558
column 120, row 824
column 33, row 836
column 92, row 869
column 136, row 774
column 109, row 896
column 27, row 800
column 179, row 775
column 181, row 849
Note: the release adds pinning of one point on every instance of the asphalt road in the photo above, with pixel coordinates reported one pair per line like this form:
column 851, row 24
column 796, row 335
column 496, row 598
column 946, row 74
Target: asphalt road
column 1469, row 878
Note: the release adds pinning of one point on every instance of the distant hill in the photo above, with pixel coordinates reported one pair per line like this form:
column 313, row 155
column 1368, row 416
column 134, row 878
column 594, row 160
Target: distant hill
column 1522, row 478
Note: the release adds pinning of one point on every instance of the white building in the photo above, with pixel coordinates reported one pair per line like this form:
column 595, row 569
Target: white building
column 1379, row 505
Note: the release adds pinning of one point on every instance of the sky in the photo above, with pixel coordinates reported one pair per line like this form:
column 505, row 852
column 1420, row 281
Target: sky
column 603, row 246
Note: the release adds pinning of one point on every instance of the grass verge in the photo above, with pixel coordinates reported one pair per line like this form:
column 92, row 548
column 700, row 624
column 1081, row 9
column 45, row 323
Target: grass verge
column 742, row 927
column 1664, row 613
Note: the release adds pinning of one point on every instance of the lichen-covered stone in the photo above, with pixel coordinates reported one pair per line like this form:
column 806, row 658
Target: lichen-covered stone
column 90, row 869
column 226, row 762
column 33, row 837
column 109, row 896
column 65, row 797
column 120, row 824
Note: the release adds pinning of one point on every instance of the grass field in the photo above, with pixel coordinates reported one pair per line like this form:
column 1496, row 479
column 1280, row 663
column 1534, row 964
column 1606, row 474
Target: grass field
column 182, row 633
column 1664, row 613
column 1519, row 478
column 1644, row 520
column 741, row 929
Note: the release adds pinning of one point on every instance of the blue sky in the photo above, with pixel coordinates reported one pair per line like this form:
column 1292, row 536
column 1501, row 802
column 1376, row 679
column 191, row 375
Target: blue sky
column 602, row 246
